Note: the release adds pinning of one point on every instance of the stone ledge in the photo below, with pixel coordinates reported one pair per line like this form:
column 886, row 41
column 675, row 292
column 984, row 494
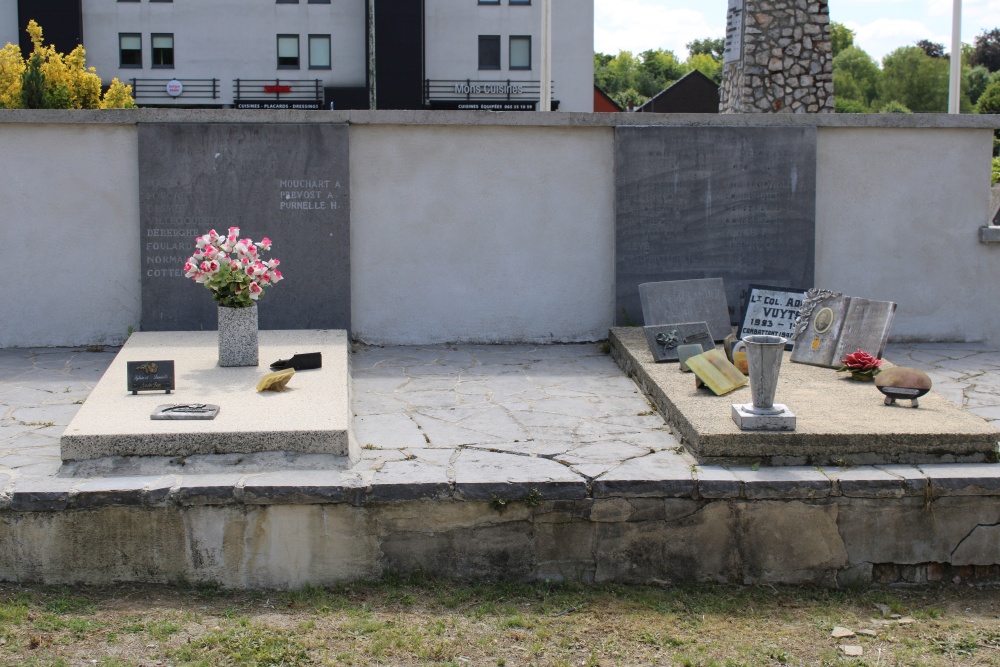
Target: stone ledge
column 989, row 234
column 297, row 487
column 409, row 482
column 41, row 495
column 493, row 118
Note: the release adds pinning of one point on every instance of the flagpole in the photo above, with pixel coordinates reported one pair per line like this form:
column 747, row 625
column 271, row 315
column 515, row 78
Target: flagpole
column 546, row 58
column 955, row 82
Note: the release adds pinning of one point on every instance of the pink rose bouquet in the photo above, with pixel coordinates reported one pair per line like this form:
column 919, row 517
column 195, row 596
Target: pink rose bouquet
column 232, row 268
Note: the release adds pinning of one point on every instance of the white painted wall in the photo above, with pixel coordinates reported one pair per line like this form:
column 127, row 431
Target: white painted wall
column 227, row 39
column 897, row 218
column 492, row 231
column 452, row 44
column 482, row 234
column 9, row 31
column 69, row 214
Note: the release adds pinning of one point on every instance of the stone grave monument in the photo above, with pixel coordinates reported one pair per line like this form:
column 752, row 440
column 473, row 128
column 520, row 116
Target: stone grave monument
column 288, row 182
column 778, row 57
column 736, row 203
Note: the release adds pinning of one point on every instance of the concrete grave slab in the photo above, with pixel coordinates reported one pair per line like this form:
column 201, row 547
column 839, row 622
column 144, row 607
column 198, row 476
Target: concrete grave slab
column 839, row 420
column 735, row 203
column 194, row 177
column 312, row 415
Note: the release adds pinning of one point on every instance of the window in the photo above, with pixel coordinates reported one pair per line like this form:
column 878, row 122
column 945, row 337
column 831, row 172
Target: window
column 512, row 2
column 161, row 0
column 163, row 50
column 287, row 2
column 319, row 51
column 128, row 0
column 319, row 2
column 489, row 2
column 288, row 51
column 489, row 52
column 520, row 52
column 129, row 49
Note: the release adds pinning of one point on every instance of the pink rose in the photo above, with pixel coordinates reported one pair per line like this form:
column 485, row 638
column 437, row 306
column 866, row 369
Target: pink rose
column 860, row 361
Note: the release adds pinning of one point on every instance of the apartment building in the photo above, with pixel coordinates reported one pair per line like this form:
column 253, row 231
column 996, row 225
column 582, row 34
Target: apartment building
column 321, row 54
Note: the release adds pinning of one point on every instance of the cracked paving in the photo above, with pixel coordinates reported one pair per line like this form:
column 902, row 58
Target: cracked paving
column 568, row 407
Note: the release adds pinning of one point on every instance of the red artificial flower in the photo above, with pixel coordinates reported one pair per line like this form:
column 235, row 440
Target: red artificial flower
column 860, row 361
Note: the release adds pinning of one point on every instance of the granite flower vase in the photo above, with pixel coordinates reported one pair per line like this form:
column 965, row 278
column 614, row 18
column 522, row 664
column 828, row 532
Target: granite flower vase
column 764, row 355
column 238, row 336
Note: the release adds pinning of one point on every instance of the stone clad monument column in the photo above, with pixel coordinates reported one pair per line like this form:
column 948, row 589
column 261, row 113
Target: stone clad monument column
column 778, row 57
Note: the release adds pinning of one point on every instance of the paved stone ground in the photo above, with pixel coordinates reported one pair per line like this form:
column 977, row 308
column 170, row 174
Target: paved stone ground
column 462, row 421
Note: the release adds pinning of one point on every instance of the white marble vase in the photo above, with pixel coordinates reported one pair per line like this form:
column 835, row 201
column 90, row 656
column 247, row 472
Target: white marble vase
column 238, row 336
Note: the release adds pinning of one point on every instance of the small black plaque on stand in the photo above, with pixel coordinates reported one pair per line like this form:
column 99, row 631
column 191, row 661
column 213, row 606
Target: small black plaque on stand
column 150, row 376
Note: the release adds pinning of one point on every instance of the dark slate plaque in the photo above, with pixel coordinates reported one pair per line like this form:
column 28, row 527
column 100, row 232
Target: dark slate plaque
column 288, row 182
column 686, row 301
column 713, row 202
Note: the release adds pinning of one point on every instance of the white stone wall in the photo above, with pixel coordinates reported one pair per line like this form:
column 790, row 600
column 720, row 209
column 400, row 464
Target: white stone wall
column 897, row 214
column 502, row 230
column 226, row 40
column 9, row 30
column 481, row 234
column 452, row 44
column 69, row 210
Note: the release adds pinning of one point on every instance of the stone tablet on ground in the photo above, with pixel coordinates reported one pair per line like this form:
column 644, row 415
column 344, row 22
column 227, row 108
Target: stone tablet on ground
column 288, row 182
column 737, row 203
column 832, row 326
column 686, row 301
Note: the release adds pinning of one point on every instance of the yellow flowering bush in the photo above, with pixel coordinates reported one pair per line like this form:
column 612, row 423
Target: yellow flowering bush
column 51, row 80
column 119, row 96
column 11, row 70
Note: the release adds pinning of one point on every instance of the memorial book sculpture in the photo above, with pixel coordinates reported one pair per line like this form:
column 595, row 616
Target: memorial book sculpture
column 832, row 326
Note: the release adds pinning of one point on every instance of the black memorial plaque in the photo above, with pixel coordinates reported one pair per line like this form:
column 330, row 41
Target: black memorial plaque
column 150, row 376
column 288, row 182
column 713, row 202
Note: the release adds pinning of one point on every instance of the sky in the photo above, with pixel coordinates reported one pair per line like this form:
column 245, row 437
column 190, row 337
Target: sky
column 880, row 26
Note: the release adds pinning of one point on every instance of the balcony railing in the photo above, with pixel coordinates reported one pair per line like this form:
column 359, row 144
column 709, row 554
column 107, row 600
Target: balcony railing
column 145, row 89
column 277, row 93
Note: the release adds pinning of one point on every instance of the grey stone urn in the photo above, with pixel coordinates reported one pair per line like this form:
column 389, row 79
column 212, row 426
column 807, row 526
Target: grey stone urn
column 238, row 336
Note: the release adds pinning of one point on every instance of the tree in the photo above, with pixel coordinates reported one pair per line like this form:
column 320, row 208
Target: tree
column 856, row 76
column 974, row 81
column 659, row 68
column 707, row 64
column 894, row 107
column 986, row 51
column 846, row 105
column 841, row 37
column 640, row 77
column 33, row 84
column 628, row 99
column 989, row 101
column 49, row 79
column 919, row 82
column 714, row 47
column 616, row 73
column 932, row 49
